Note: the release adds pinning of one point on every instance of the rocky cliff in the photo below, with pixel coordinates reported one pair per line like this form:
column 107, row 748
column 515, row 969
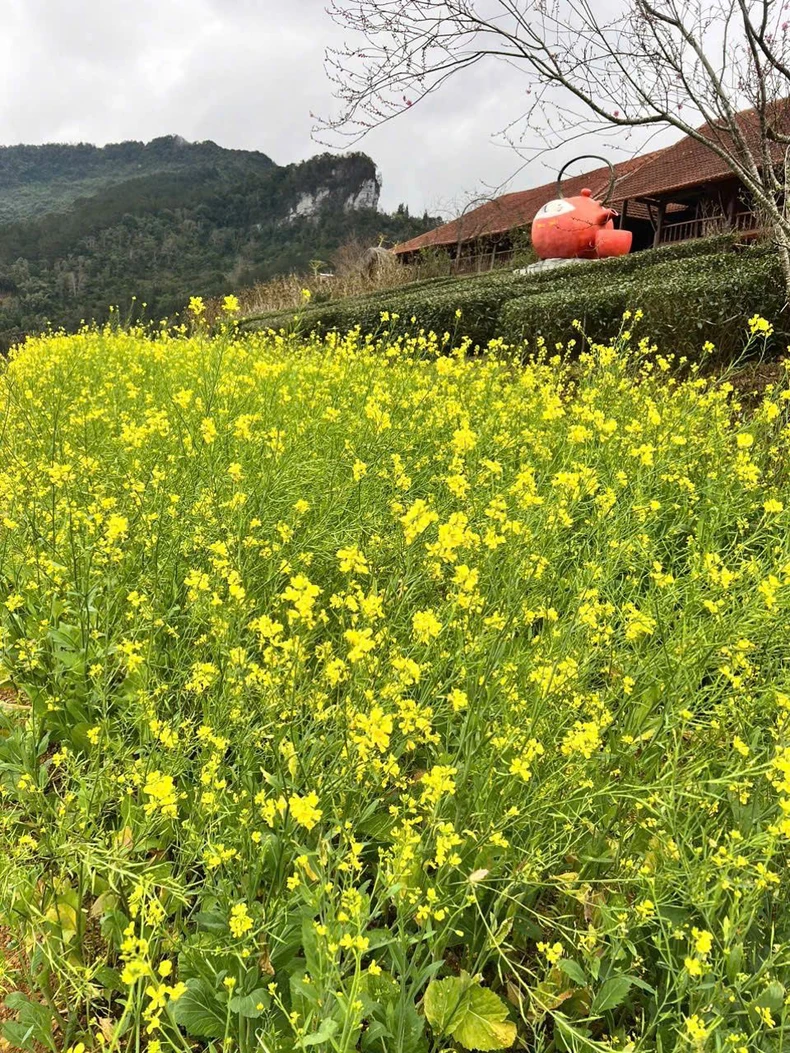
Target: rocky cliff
column 83, row 227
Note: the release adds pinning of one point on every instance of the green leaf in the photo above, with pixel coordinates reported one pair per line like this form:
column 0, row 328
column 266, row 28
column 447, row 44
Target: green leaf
column 247, row 1005
column 772, row 998
column 485, row 1023
column 210, row 921
column 572, row 1039
column 380, row 989
column 473, row 1015
column 30, row 1012
column 310, row 948
column 410, row 1028
column 573, row 970
column 388, row 1020
column 328, row 1028
column 33, row 1026
column 110, row 979
column 19, row 1036
column 733, row 961
column 199, row 1012
column 611, row 994
column 443, row 1000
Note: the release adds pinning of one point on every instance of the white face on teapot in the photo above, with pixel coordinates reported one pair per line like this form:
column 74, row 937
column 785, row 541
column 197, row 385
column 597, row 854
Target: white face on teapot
column 554, row 208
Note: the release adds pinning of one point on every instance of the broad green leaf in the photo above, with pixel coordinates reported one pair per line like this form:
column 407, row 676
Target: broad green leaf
column 733, row 961
column 473, row 1015
column 33, row 1028
column 110, row 979
column 305, row 996
column 772, row 998
column 211, row 921
column 310, row 947
column 484, row 1024
column 30, row 1011
column 443, row 1000
column 391, row 1026
column 380, row 989
column 199, row 1011
column 375, row 1034
column 19, row 1036
column 328, row 1028
column 611, row 994
column 410, row 1030
column 409, row 1027
column 248, row 1005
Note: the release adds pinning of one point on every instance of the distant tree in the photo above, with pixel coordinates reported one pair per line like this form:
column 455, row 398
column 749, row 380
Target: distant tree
column 202, row 229
column 692, row 65
column 349, row 257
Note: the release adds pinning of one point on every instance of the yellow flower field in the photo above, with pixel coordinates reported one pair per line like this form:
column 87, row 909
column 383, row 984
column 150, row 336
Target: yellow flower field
column 367, row 695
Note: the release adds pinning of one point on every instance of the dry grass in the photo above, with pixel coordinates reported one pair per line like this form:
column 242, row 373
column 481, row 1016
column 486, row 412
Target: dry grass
column 286, row 293
column 10, row 700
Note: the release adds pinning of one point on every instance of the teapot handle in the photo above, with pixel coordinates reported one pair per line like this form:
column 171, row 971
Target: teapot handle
column 589, row 157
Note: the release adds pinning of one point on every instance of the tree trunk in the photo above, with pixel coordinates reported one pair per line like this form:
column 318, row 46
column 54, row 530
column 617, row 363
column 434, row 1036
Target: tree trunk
column 784, row 258
column 780, row 235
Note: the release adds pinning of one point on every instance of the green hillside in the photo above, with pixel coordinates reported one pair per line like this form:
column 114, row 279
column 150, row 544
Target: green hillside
column 38, row 179
column 153, row 224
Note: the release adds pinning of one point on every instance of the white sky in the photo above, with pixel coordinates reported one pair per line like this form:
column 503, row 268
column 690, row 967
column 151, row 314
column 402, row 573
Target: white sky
column 245, row 73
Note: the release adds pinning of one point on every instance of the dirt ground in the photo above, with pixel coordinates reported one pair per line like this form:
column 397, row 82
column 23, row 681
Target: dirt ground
column 752, row 380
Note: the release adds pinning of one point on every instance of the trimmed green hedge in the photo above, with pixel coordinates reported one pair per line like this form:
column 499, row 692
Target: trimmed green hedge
column 689, row 293
column 685, row 303
column 432, row 308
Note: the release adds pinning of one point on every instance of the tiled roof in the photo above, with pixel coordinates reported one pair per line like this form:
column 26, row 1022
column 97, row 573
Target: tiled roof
column 685, row 164
column 519, row 209
column 689, row 163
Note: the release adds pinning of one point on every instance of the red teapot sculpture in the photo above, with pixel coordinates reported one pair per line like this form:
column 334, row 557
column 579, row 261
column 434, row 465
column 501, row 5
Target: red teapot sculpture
column 579, row 228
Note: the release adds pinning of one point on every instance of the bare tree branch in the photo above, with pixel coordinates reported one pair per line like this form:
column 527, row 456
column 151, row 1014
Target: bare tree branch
column 691, row 65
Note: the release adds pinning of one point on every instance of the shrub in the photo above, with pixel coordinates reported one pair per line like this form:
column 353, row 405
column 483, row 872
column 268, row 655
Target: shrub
column 685, row 303
column 704, row 280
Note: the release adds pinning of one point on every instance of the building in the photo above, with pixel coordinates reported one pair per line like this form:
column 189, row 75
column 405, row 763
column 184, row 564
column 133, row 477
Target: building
column 681, row 192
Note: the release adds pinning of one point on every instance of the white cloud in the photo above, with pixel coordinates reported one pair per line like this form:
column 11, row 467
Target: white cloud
column 247, row 74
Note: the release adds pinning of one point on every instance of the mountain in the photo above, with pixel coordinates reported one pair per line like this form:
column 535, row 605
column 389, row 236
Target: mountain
column 38, row 179
column 85, row 227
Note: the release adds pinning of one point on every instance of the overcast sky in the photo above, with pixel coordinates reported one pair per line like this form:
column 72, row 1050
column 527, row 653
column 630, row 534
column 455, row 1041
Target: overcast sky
column 245, row 73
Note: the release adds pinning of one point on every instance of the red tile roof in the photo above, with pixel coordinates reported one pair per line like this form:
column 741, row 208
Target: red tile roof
column 690, row 163
column 519, row 209
column 685, row 164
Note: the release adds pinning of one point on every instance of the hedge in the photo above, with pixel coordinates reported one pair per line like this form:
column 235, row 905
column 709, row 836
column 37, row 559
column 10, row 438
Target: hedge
column 689, row 293
column 431, row 308
column 685, row 304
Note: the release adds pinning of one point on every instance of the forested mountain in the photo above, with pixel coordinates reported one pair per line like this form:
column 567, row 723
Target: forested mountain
column 39, row 179
column 83, row 227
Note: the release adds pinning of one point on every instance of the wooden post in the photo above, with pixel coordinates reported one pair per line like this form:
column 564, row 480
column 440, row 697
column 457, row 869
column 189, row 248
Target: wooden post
column 662, row 211
column 624, row 214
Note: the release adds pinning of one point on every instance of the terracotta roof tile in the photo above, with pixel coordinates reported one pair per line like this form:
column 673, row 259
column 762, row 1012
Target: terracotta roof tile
column 519, row 209
column 684, row 164
column 689, row 163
